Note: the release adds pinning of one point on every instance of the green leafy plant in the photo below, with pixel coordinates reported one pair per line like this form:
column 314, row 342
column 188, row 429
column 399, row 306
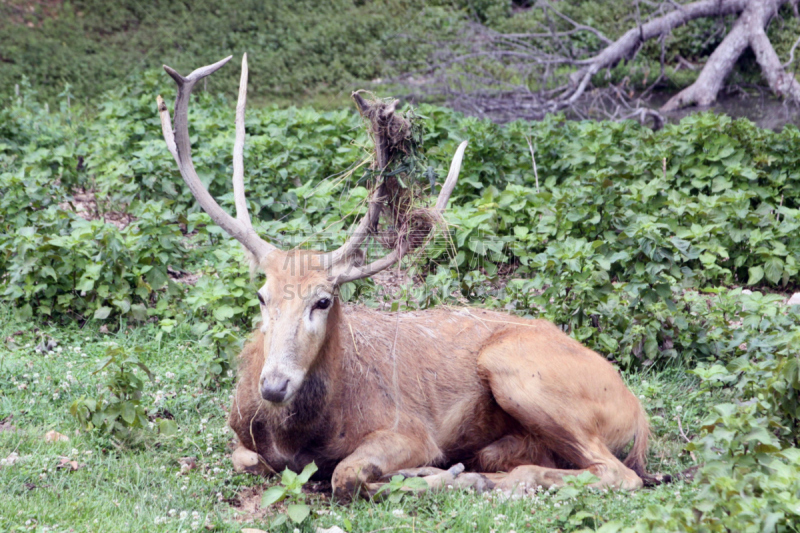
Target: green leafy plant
column 399, row 486
column 121, row 410
column 576, row 500
column 291, row 489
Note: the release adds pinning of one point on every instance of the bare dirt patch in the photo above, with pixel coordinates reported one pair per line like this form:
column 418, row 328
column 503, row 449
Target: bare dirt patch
column 6, row 425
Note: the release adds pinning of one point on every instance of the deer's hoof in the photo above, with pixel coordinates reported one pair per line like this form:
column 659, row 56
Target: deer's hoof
column 350, row 481
column 245, row 460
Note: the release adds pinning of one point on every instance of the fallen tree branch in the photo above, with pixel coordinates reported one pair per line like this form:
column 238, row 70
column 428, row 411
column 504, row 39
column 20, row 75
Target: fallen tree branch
column 491, row 75
column 748, row 31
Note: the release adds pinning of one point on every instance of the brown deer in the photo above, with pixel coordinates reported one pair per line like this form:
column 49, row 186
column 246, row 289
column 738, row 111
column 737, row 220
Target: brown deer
column 365, row 393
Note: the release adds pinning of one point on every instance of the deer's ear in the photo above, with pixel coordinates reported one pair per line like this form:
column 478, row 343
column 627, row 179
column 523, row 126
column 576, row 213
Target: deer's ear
column 343, row 267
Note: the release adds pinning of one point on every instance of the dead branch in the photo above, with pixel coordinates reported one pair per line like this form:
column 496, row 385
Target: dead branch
column 748, row 31
column 474, row 73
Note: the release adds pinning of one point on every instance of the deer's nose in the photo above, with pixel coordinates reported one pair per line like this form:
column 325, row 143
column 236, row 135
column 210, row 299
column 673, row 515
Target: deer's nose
column 274, row 390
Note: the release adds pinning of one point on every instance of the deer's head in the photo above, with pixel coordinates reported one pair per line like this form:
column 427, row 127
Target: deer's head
column 299, row 298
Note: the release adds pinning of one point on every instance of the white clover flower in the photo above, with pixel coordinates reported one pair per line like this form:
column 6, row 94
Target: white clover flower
column 183, row 515
column 398, row 513
column 679, row 408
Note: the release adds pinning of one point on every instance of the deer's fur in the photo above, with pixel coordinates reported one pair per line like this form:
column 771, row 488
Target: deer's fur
column 388, row 391
column 365, row 393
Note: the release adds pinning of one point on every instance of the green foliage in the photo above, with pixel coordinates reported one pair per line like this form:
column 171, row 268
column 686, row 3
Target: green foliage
column 398, row 487
column 291, row 488
column 121, row 411
column 297, row 49
column 633, row 241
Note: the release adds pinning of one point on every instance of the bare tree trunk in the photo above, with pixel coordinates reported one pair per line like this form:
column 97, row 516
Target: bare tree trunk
column 748, row 31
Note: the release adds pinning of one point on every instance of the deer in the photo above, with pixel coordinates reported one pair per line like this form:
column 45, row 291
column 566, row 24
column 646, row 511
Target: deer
column 365, row 393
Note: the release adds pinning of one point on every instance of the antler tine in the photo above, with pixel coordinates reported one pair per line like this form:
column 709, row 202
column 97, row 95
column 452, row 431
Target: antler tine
column 452, row 178
column 360, row 272
column 179, row 145
column 238, row 151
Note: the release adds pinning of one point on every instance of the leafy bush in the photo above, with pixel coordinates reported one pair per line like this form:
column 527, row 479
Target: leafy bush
column 121, row 411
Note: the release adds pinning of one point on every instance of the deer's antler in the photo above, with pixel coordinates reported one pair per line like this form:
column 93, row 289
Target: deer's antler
column 179, row 145
column 241, row 227
column 364, row 227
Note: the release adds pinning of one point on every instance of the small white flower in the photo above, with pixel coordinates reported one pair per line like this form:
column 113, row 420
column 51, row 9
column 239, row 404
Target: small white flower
column 183, row 515
column 679, row 408
column 172, row 512
column 398, row 513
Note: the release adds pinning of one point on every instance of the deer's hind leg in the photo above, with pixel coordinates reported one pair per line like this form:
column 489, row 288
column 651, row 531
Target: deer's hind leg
column 569, row 399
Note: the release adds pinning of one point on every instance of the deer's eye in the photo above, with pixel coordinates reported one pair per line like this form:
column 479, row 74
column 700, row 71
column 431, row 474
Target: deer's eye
column 260, row 298
column 323, row 303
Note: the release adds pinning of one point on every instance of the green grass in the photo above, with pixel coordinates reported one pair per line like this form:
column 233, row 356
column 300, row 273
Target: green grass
column 138, row 486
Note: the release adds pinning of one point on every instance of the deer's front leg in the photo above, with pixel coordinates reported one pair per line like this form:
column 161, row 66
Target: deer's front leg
column 381, row 452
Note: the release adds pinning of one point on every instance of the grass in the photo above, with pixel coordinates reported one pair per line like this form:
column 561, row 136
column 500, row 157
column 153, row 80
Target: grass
column 127, row 486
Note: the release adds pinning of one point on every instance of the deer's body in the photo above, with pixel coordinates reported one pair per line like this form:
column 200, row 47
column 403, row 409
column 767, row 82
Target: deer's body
column 365, row 393
column 425, row 380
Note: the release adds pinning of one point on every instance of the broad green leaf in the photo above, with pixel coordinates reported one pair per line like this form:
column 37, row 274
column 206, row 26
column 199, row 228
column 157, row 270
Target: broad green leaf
column 756, row 273
column 773, row 269
column 167, row 427
column 288, row 477
column 298, row 512
column 272, row 495
column 566, row 493
column 102, row 313
column 416, row 483
column 307, row 472
column 128, row 412
column 223, row 312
